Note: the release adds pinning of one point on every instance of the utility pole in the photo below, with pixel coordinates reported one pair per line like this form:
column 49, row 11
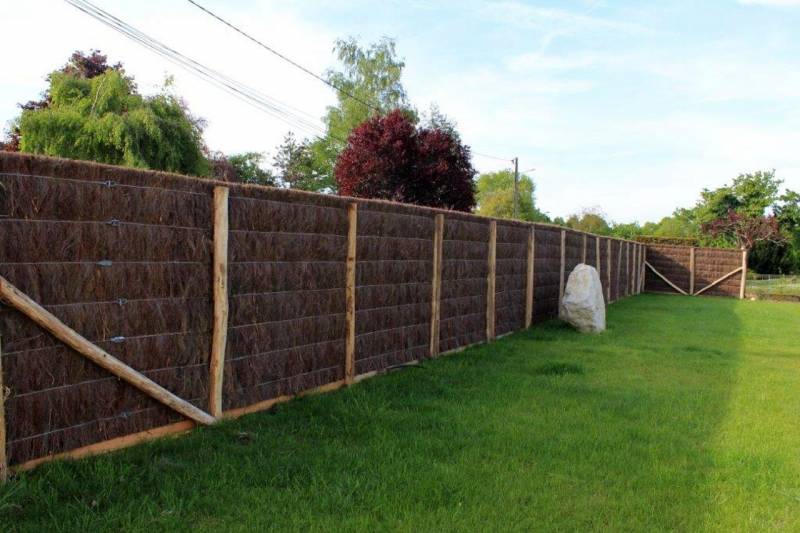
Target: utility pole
column 516, row 187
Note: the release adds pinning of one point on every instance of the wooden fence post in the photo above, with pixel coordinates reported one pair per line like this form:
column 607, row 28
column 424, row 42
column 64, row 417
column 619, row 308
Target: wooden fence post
column 628, row 269
column 529, row 282
column 743, row 284
column 608, row 274
column 597, row 253
column 691, row 271
column 436, row 283
column 3, row 458
column 639, row 269
column 561, row 277
column 619, row 271
column 583, row 257
column 350, row 295
column 490, row 281
column 644, row 269
column 219, row 336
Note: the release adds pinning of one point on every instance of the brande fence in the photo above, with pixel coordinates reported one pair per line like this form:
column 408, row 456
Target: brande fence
column 139, row 303
column 694, row 271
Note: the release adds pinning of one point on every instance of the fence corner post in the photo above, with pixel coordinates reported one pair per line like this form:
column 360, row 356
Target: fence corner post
column 219, row 336
column 490, row 281
column 436, row 283
column 743, row 284
column 691, row 271
column 529, row 288
column 350, row 295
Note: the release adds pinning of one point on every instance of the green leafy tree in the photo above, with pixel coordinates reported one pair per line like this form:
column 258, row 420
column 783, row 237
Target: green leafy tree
column 677, row 226
column 749, row 195
column 787, row 211
column 590, row 219
column 296, row 166
column 434, row 119
column 629, row 230
column 103, row 118
column 749, row 202
column 249, row 170
column 370, row 84
column 495, row 196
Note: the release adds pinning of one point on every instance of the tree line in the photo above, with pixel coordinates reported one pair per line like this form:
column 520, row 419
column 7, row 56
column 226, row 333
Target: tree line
column 376, row 145
column 753, row 211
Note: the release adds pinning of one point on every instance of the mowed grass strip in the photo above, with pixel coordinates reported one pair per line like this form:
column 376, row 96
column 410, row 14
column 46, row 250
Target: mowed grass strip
column 683, row 416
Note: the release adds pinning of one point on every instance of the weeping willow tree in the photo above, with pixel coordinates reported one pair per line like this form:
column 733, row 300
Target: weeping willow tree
column 101, row 117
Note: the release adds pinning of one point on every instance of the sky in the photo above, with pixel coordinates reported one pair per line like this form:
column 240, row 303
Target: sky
column 629, row 106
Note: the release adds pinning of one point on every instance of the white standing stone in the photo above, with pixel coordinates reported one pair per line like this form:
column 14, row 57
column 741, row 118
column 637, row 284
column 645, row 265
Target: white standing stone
column 583, row 305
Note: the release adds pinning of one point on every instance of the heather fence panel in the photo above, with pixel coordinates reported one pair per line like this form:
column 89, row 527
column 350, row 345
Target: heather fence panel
column 125, row 258
column 694, row 270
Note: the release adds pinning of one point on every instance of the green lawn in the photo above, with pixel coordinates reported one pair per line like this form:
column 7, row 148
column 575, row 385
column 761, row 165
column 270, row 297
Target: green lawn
column 785, row 286
column 685, row 415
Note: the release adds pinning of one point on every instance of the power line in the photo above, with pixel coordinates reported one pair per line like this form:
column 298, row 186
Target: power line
column 292, row 116
column 506, row 159
column 285, row 58
column 294, row 63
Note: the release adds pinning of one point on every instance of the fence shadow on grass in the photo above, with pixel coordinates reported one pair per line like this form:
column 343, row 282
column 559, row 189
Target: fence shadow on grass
column 544, row 429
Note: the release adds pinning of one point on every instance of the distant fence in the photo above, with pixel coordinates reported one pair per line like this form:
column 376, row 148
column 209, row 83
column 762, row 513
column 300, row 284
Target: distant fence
column 138, row 303
column 694, row 271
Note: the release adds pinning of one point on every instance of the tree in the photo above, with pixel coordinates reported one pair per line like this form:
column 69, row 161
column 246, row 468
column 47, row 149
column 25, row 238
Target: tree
column 749, row 194
column 220, row 168
column 296, row 169
column 629, row 230
column 434, row 119
column 787, row 211
column 242, row 168
column 744, row 229
column 388, row 157
column 81, row 65
column 94, row 112
column 591, row 220
column 739, row 215
column 248, row 168
column 369, row 85
column 677, row 226
column 495, row 196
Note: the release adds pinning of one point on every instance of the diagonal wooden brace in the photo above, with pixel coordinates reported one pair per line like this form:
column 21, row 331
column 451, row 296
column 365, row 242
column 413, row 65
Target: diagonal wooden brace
column 668, row 282
column 718, row 280
column 24, row 304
